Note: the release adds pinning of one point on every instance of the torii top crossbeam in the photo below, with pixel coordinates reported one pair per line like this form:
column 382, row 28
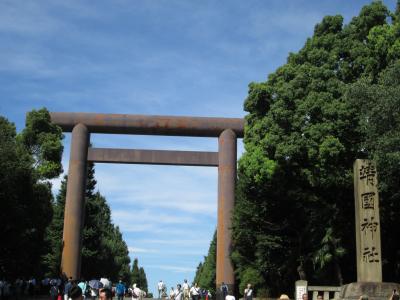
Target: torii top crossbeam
column 149, row 125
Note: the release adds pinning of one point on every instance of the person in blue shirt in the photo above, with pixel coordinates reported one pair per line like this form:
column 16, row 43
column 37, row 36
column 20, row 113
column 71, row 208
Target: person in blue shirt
column 67, row 288
column 224, row 290
column 120, row 290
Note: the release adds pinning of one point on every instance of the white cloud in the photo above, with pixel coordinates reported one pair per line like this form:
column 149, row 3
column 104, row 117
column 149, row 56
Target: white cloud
column 141, row 250
column 174, row 250
column 141, row 216
column 188, row 241
column 155, row 222
column 180, row 190
column 175, row 269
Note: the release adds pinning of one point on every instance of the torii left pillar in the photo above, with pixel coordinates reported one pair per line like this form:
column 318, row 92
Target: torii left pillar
column 75, row 202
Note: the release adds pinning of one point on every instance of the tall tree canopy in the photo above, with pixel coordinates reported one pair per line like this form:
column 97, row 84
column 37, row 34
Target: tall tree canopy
column 27, row 160
column 332, row 102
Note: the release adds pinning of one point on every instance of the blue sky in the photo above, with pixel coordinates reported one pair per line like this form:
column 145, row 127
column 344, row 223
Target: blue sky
column 192, row 58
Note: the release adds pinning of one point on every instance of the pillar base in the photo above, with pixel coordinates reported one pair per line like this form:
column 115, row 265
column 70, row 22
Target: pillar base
column 374, row 290
column 231, row 291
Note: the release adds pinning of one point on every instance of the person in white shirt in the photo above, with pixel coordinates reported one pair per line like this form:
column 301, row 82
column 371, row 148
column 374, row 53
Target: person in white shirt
column 160, row 286
column 229, row 297
column 248, row 292
column 178, row 292
column 137, row 293
column 172, row 294
column 106, row 283
column 195, row 292
column 94, row 293
column 185, row 288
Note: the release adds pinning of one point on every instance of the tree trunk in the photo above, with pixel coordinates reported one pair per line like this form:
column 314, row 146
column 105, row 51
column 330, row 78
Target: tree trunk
column 338, row 273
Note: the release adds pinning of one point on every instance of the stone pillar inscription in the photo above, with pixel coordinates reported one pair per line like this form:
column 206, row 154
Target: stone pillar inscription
column 74, row 203
column 368, row 236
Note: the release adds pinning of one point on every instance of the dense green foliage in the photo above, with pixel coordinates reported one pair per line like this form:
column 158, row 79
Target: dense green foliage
column 138, row 276
column 332, row 102
column 205, row 273
column 27, row 160
column 104, row 252
column 30, row 219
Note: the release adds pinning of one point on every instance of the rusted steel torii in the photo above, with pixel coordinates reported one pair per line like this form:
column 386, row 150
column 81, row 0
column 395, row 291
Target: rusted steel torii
column 82, row 124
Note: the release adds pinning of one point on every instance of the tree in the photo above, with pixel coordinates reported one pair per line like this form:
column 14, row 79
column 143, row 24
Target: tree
column 143, row 280
column 205, row 273
column 43, row 139
column 330, row 252
column 27, row 160
column 138, row 276
column 52, row 258
column 135, row 273
column 294, row 201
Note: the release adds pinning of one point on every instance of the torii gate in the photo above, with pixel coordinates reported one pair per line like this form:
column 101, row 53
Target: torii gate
column 82, row 124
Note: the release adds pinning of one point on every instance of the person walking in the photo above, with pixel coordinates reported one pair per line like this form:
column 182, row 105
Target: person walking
column 395, row 295
column 195, row 292
column 284, row 297
column 76, row 293
column 94, row 293
column 160, row 286
column 229, row 296
column 224, row 290
column 105, row 294
column 178, row 292
column 136, row 292
column 67, row 288
column 120, row 290
column 54, row 291
column 186, row 290
column 248, row 292
column 83, row 286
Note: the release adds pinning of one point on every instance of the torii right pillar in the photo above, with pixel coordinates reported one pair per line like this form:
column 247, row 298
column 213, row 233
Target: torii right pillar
column 226, row 200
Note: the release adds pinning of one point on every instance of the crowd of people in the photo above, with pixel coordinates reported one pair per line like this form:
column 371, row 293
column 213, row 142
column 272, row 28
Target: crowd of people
column 63, row 288
column 194, row 292
column 183, row 292
column 21, row 288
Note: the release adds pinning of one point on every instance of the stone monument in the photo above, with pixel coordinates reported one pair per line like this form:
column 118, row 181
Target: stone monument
column 301, row 289
column 368, row 234
column 368, row 237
